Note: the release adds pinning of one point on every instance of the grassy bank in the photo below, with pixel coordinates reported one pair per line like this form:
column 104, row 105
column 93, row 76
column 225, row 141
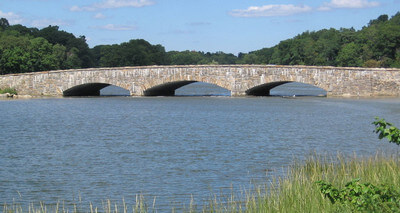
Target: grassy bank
column 296, row 192
column 8, row 90
column 299, row 191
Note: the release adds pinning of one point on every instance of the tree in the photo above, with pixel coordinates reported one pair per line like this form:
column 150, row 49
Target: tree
column 349, row 56
column 41, row 55
column 4, row 23
column 56, row 36
column 379, row 20
column 185, row 57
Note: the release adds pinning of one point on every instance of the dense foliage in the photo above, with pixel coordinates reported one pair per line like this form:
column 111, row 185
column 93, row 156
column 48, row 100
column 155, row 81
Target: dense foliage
column 24, row 49
column 364, row 197
column 376, row 45
column 385, row 129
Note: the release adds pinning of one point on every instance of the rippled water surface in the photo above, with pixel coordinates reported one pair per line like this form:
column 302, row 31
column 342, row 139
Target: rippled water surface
column 171, row 147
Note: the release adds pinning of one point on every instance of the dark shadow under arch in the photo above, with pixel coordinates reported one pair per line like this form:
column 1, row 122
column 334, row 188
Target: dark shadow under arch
column 167, row 89
column 297, row 87
column 198, row 88
column 90, row 89
column 264, row 89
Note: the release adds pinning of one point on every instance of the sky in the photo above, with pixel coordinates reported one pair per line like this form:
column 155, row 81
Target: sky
column 231, row 26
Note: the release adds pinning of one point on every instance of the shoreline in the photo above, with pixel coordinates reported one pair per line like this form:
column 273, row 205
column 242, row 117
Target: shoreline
column 296, row 191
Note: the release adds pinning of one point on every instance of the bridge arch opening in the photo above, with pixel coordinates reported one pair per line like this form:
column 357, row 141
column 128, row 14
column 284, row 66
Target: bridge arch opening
column 113, row 90
column 187, row 88
column 286, row 88
column 96, row 89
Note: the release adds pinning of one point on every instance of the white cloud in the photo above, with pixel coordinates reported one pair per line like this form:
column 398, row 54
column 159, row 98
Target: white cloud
column 348, row 4
column 99, row 16
column 271, row 10
column 110, row 4
column 114, row 27
column 11, row 17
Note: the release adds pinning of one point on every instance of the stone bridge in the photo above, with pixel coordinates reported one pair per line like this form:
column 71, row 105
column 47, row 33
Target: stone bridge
column 241, row 80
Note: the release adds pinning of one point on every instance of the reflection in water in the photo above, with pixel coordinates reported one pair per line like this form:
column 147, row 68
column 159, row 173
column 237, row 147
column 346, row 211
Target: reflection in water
column 114, row 91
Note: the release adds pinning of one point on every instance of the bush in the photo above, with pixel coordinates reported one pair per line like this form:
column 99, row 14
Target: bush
column 363, row 196
column 387, row 130
column 8, row 90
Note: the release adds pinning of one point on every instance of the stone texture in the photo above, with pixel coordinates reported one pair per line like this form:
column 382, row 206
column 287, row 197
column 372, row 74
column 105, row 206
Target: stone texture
column 239, row 79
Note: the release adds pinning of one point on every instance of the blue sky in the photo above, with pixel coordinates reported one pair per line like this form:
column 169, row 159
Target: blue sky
column 231, row 26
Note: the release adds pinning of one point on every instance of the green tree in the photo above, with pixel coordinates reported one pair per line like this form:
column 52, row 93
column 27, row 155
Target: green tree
column 349, row 56
column 185, row 57
column 379, row 20
column 14, row 60
column 41, row 55
column 133, row 53
column 250, row 58
column 56, row 36
column 4, row 23
column 72, row 59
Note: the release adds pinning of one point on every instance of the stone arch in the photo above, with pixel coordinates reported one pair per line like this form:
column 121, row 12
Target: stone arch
column 167, row 86
column 265, row 89
column 87, row 89
column 256, row 88
column 166, row 89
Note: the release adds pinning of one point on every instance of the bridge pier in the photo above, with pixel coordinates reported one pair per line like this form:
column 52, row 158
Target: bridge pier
column 238, row 93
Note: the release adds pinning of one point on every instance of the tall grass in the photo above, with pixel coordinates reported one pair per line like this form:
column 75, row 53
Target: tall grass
column 294, row 192
column 298, row 192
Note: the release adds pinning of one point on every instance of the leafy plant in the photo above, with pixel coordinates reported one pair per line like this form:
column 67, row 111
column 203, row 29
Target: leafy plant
column 8, row 90
column 387, row 130
column 363, row 196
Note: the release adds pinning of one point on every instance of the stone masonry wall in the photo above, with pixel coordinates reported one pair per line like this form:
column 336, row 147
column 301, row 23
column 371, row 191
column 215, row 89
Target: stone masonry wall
column 337, row 81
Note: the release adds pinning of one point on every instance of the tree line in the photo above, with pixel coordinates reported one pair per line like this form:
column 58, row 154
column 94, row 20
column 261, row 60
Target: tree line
column 375, row 45
column 24, row 49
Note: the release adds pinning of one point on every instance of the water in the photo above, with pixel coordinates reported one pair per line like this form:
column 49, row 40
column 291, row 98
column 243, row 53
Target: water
column 172, row 147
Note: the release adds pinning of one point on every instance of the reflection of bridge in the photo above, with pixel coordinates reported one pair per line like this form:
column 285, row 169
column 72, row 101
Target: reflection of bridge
column 239, row 79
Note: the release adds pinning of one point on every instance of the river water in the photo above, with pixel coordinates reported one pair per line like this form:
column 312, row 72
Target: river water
column 173, row 148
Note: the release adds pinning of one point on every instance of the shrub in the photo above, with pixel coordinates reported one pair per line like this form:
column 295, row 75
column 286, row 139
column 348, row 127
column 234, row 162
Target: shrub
column 387, row 130
column 363, row 196
column 8, row 90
